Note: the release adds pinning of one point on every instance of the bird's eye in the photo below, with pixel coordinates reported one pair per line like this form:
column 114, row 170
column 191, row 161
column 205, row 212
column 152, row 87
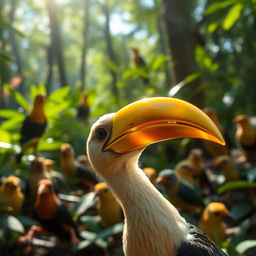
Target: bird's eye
column 216, row 213
column 100, row 133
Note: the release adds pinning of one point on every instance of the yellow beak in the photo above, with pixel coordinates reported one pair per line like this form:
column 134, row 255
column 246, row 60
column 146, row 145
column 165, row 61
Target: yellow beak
column 157, row 119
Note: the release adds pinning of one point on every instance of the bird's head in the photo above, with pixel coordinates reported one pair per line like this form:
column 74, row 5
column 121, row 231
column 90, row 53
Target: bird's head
column 167, row 178
column 45, row 187
column 39, row 100
column 185, row 167
column 49, row 164
column 66, row 151
column 216, row 212
column 11, row 183
column 241, row 120
column 125, row 134
column 37, row 165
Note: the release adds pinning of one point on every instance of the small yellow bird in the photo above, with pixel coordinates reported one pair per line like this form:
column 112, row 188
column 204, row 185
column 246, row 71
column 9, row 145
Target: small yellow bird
column 12, row 195
column 37, row 172
column 212, row 221
column 245, row 135
column 195, row 156
column 107, row 206
column 185, row 170
column 151, row 174
column 227, row 167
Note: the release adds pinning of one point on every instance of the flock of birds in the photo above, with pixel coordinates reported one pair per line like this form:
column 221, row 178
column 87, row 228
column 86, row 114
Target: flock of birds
column 151, row 202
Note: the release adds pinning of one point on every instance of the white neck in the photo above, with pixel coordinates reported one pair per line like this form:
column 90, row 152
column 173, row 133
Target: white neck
column 153, row 226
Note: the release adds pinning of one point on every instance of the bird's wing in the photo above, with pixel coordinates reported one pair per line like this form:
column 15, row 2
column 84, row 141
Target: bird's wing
column 30, row 130
column 189, row 195
column 86, row 174
column 198, row 244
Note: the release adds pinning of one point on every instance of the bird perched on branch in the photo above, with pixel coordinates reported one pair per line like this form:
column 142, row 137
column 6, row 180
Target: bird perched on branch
column 179, row 193
column 72, row 168
column 107, row 206
column 153, row 226
column 83, row 108
column 33, row 127
column 246, row 135
column 12, row 198
column 52, row 215
column 212, row 148
column 139, row 62
column 212, row 221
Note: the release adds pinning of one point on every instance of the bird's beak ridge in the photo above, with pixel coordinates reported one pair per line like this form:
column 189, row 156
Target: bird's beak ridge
column 157, row 119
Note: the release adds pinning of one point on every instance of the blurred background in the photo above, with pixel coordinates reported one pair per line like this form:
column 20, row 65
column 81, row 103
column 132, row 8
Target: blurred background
column 81, row 59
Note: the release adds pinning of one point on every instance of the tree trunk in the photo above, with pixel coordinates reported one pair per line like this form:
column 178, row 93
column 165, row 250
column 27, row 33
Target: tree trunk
column 110, row 50
column 15, row 48
column 56, row 42
column 162, row 43
column 87, row 5
column 50, row 69
column 180, row 33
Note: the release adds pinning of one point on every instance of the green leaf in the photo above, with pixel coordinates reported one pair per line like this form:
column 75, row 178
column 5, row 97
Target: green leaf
column 87, row 201
column 13, row 123
column 236, row 185
column 18, row 98
column 158, row 62
column 232, row 16
column 213, row 26
column 59, row 95
column 116, row 229
column 245, row 245
column 49, row 146
column 240, row 234
column 93, row 223
column 241, row 210
column 4, row 57
column 6, row 25
column 5, row 136
column 90, row 239
column 251, row 175
column 216, row 6
column 11, row 222
column 9, row 113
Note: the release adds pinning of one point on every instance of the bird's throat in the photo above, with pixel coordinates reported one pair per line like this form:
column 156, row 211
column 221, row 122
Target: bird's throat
column 145, row 209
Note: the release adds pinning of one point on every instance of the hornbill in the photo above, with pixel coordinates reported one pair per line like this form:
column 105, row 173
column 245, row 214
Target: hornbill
column 212, row 221
column 245, row 135
column 52, row 215
column 107, row 206
column 33, row 127
column 12, row 198
column 153, row 226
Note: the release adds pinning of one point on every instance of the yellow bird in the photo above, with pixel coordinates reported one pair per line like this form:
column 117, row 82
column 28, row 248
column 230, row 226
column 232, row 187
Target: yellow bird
column 185, row 171
column 11, row 195
column 151, row 174
column 37, row 172
column 153, row 226
column 212, row 221
column 227, row 167
column 245, row 136
column 107, row 206
column 195, row 157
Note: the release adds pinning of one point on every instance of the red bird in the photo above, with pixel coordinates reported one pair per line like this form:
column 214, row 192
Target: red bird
column 33, row 127
column 52, row 215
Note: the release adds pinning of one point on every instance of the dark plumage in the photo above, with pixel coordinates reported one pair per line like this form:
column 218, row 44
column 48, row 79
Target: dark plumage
column 198, row 245
column 83, row 109
column 33, row 127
